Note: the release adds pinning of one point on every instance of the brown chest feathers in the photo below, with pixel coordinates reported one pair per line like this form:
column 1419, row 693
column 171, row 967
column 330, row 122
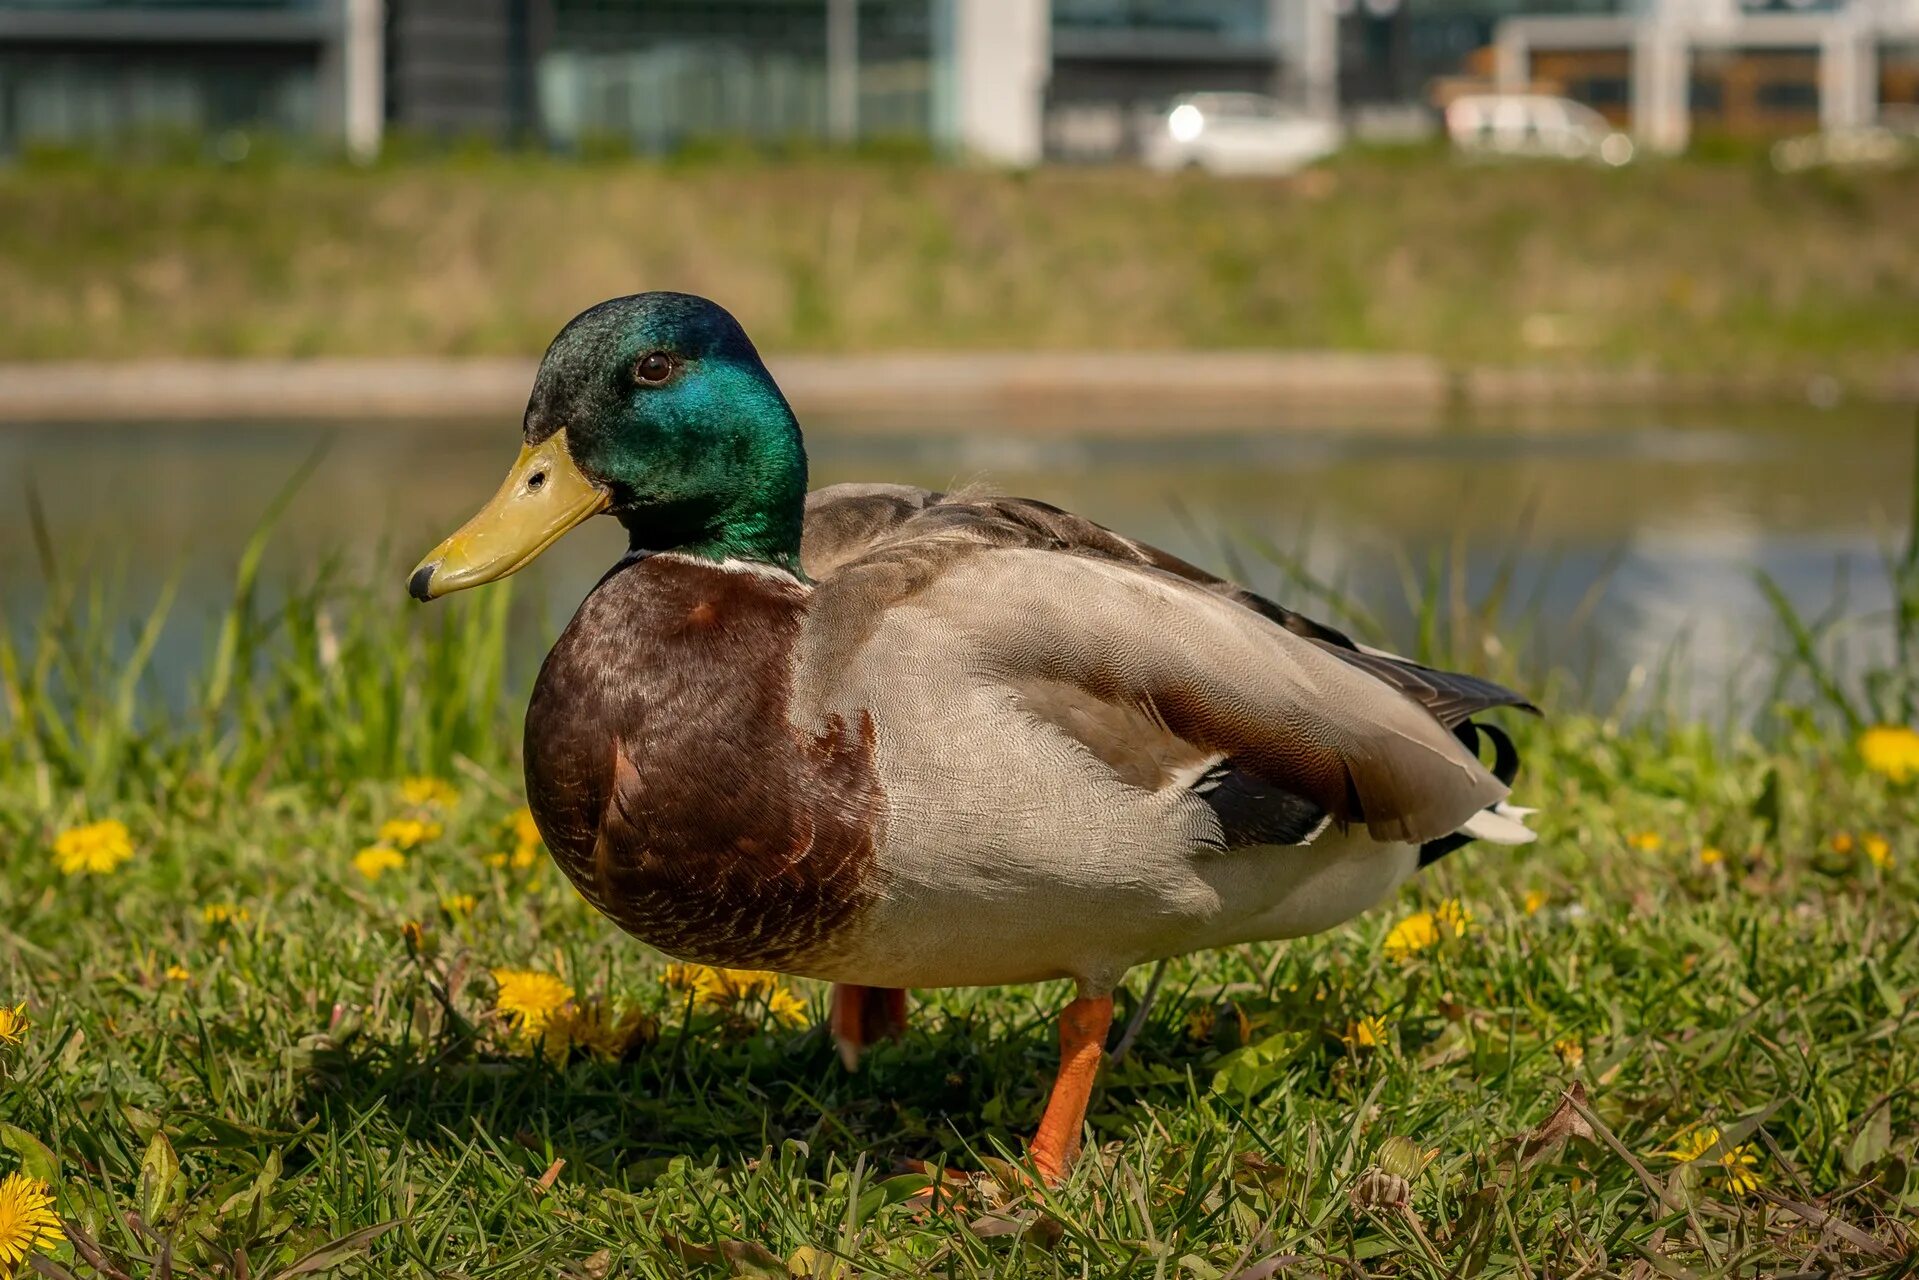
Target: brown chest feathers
column 671, row 784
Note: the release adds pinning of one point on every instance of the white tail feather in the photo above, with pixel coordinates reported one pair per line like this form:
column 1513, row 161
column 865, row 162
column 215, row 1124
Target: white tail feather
column 1501, row 824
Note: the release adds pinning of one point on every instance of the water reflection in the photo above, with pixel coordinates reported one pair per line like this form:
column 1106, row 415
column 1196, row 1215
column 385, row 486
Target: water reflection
column 1677, row 515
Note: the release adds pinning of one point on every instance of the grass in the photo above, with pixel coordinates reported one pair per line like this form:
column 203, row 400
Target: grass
column 247, row 1058
column 1690, row 266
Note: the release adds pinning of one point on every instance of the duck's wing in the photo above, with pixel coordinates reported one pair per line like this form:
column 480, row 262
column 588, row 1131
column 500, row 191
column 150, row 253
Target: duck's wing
column 1090, row 633
column 846, row 521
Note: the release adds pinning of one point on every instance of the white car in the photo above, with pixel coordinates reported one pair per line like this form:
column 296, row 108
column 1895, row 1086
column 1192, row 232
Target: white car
column 1236, row 133
column 1534, row 124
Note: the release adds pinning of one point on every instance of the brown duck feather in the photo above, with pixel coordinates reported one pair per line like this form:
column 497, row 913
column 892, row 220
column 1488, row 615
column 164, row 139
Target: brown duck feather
column 845, row 521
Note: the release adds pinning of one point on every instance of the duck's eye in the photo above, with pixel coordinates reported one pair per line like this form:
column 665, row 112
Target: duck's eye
column 654, row 366
column 536, row 482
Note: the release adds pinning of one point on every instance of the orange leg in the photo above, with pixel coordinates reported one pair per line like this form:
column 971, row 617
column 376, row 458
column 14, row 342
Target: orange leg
column 865, row 1015
column 1082, row 1046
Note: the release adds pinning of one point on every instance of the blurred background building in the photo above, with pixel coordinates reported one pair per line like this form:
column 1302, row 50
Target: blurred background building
column 1012, row 81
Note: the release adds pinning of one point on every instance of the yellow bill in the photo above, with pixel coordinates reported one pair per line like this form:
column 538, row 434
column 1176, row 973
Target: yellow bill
column 543, row 496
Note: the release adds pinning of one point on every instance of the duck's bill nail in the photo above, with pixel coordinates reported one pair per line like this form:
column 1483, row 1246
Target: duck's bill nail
column 543, row 496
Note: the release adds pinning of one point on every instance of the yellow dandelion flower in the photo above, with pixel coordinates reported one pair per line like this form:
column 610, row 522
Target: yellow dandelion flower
column 554, row 1041
column 95, row 849
column 530, row 997
column 13, row 1024
column 527, row 855
column 1570, row 1052
column 224, row 913
column 1690, row 1144
column 591, row 1026
column 1535, row 899
column 429, row 793
column 459, row 904
column 1711, row 856
column 1736, row 1164
column 376, row 860
column 405, row 833
column 705, row 983
column 786, row 1007
column 1201, row 1023
column 1413, row 934
column 1892, row 750
column 750, row 982
column 413, row 933
column 526, row 833
column 27, row 1220
column 1879, row 849
column 720, row 988
column 1366, row 1033
column 495, row 860
column 1646, row 841
column 179, row 973
column 1452, row 914
column 1842, row 842
column 1737, row 1167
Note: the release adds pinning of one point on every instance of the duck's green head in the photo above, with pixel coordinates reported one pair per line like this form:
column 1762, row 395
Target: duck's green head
column 655, row 409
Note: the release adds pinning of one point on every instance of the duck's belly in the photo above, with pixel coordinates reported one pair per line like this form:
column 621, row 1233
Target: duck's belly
column 945, row 918
column 1307, row 888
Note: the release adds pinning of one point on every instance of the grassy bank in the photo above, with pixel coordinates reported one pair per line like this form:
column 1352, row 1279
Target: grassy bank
column 255, row 1048
column 1721, row 267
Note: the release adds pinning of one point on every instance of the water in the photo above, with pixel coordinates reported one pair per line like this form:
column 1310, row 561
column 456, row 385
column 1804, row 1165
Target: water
column 1672, row 513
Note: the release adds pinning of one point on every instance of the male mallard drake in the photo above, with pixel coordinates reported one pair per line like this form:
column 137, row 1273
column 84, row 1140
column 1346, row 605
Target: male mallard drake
column 891, row 738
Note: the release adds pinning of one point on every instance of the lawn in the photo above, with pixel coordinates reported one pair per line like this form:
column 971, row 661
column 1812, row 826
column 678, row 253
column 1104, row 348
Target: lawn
column 1677, row 1036
column 1695, row 266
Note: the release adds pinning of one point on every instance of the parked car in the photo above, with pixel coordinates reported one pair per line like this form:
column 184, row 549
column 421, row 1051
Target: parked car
column 1236, row 133
column 1534, row 124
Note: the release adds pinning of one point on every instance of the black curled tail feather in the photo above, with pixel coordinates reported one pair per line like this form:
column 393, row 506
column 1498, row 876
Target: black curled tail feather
column 1504, row 766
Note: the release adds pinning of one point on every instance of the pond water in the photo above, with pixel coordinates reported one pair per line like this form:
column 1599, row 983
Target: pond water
column 1632, row 542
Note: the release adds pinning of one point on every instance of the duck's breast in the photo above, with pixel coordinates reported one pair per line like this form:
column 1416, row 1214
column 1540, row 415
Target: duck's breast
column 671, row 784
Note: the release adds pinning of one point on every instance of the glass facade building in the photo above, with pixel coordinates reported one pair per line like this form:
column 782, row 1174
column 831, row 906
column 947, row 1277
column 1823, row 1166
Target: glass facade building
column 74, row 95
column 1393, row 51
column 1011, row 81
column 87, row 71
column 659, row 73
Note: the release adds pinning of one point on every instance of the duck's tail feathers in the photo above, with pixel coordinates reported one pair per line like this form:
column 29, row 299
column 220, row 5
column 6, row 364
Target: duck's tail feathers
column 1502, row 824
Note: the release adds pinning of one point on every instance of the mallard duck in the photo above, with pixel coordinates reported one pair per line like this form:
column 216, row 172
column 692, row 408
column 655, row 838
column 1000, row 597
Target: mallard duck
column 892, row 738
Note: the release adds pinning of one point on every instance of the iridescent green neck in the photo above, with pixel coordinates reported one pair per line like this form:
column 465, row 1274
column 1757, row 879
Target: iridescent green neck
column 724, row 473
column 762, row 524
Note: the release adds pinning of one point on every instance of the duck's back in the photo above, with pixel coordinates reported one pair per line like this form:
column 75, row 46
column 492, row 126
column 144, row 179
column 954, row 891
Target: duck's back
column 846, row 522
